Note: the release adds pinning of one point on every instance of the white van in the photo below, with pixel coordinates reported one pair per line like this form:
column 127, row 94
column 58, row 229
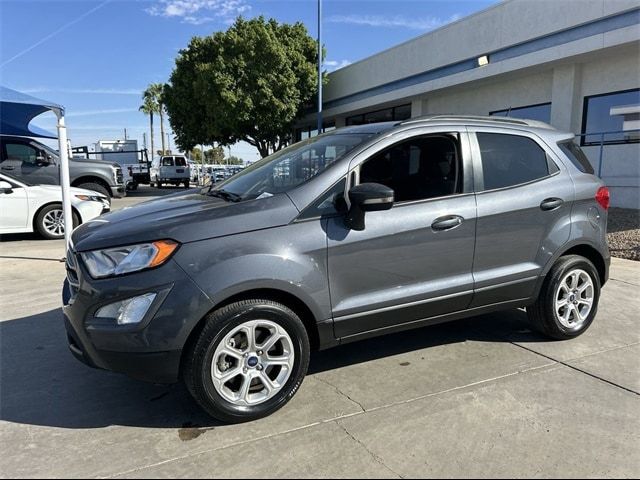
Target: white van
column 172, row 169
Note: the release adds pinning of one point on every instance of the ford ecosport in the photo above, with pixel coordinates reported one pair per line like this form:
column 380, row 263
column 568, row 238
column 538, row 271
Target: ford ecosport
column 359, row 232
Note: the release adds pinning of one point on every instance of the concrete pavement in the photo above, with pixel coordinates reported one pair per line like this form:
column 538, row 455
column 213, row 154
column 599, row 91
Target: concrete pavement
column 483, row 397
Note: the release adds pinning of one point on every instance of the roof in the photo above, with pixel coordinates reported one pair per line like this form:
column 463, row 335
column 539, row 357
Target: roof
column 17, row 110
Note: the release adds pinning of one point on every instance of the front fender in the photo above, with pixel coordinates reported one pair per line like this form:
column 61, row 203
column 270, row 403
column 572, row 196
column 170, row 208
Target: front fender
column 291, row 259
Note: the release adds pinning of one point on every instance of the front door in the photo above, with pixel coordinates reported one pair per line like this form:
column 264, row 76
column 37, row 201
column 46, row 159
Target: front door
column 14, row 208
column 414, row 261
column 25, row 160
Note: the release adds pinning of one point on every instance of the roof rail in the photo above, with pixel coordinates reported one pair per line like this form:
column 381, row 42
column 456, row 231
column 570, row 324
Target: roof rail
column 479, row 118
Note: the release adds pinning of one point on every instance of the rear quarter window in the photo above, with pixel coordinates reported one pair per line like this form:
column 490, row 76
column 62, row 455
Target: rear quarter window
column 574, row 153
column 510, row 160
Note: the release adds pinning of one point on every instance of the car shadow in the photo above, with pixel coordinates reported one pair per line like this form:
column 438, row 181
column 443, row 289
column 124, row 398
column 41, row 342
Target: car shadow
column 42, row 384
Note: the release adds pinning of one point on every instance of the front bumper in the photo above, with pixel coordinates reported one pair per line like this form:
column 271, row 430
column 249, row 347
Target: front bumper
column 150, row 351
column 118, row 191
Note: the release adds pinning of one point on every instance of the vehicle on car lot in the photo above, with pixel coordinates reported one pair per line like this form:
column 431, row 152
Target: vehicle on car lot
column 33, row 162
column 27, row 208
column 355, row 233
column 173, row 169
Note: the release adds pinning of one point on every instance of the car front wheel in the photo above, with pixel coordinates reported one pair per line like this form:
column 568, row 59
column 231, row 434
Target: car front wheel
column 249, row 360
column 50, row 222
column 569, row 298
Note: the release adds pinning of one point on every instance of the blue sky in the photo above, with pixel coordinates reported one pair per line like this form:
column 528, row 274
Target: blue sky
column 112, row 49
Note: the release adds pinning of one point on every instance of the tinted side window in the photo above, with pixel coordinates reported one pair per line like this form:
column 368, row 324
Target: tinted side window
column 167, row 162
column 417, row 169
column 509, row 160
column 181, row 162
column 577, row 157
column 21, row 152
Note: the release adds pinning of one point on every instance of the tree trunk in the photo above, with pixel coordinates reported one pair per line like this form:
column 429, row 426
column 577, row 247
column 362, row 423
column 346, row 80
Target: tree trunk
column 151, row 124
column 162, row 129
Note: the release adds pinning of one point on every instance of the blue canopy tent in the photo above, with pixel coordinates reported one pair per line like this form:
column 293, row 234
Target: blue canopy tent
column 17, row 110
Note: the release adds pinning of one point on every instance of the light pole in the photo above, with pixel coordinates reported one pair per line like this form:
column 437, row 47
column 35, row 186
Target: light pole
column 319, row 67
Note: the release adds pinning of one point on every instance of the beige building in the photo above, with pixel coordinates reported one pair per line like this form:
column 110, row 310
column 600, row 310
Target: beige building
column 572, row 63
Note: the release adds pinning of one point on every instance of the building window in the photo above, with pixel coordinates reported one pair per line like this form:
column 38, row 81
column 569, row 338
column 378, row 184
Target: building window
column 308, row 132
column 541, row 112
column 597, row 118
column 393, row 114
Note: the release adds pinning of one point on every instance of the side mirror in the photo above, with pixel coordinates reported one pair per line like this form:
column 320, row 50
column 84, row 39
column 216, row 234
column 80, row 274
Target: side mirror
column 5, row 187
column 44, row 159
column 367, row 197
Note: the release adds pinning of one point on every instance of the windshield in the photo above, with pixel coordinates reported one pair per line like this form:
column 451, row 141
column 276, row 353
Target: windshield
column 291, row 167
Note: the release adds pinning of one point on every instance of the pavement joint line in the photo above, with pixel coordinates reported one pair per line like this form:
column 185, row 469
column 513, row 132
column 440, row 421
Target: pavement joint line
column 599, row 352
column 572, row 367
column 340, row 392
column 624, row 281
column 328, row 420
column 375, row 457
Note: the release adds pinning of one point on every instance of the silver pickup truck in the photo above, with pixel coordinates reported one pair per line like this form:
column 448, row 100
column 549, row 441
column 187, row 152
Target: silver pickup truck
column 33, row 162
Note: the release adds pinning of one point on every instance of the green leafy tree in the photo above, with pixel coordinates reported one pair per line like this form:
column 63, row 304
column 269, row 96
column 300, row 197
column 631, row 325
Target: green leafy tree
column 214, row 155
column 233, row 160
column 251, row 83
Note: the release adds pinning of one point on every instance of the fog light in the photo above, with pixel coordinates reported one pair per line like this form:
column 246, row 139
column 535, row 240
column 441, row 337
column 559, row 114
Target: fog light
column 129, row 311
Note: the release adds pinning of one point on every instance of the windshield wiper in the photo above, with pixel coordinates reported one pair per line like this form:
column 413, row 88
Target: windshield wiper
column 228, row 196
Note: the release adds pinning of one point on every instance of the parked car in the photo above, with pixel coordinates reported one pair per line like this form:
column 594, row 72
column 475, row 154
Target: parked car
column 27, row 208
column 172, row 169
column 33, row 162
column 359, row 232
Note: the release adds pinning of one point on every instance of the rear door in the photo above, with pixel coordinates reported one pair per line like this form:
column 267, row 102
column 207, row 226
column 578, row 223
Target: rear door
column 524, row 198
column 414, row 261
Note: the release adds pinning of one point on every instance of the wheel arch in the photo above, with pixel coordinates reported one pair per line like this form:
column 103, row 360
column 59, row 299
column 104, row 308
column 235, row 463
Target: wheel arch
column 286, row 298
column 92, row 179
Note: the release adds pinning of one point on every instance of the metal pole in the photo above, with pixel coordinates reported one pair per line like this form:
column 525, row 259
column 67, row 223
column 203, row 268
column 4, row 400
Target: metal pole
column 64, row 179
column 319, row 67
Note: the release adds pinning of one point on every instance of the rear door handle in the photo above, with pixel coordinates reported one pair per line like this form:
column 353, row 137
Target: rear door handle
column 551, row 204
column 447, row 223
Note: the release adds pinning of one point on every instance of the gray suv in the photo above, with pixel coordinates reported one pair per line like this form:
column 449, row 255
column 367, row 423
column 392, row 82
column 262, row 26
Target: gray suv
column 356, row 233
column 35, row 163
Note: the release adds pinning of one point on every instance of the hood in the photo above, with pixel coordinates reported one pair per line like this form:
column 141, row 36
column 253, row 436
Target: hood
column 93, row 161
column 184, row 217
column 73, row 190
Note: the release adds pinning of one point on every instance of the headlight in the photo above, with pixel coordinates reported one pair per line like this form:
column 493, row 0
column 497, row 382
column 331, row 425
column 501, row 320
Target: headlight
column 132, row 258
column 90, row 198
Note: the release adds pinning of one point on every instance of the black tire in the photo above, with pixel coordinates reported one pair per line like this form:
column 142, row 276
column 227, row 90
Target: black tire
column 39, row 222
column 187, row 184
column 198, row 360
column 96, row 187
column 542, row 314
column 158, row 183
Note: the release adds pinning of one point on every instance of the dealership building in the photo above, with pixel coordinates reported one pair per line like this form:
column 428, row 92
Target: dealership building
column 572, row 63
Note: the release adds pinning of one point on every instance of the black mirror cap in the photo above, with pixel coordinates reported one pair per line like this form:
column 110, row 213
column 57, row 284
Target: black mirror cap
column 372, row 197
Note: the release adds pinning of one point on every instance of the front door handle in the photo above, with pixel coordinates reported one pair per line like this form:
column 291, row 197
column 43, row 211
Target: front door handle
column 8, row 168
column 447, row 223
column 549, row 204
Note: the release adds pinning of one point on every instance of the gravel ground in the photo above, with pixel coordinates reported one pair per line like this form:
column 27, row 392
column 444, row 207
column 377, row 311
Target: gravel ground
column 624, row 233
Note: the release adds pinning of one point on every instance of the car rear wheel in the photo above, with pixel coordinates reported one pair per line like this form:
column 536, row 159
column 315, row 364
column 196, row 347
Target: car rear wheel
column 50, row 222
column 569, row 298
column 249, row 360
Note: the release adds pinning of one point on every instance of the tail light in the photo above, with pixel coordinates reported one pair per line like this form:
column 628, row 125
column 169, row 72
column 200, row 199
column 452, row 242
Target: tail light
column 603, row 197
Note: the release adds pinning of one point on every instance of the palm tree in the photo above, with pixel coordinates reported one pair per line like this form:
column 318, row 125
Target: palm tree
column 155, row 92
column 148, row 108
